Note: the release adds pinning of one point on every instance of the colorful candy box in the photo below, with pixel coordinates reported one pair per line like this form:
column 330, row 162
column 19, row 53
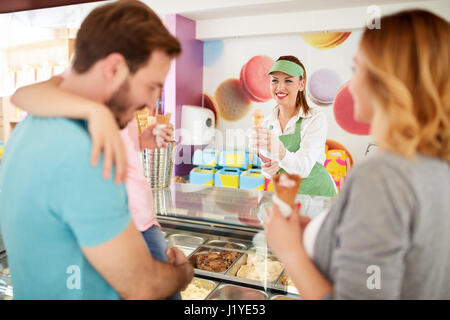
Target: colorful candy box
column 235, row 159
column 256, row 161
column 203, row 176
column 205, row 158
column 252, row 179
column 336, row 162
column 268, row 185
column 227, row 177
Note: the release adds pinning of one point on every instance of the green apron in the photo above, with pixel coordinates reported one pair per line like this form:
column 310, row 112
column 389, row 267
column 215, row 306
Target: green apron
column 319, row 182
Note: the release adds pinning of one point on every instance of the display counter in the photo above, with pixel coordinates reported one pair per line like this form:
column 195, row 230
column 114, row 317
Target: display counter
column 220, row 231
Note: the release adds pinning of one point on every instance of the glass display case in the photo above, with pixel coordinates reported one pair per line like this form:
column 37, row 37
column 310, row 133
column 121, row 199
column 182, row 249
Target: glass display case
column 220, row 230
column 6, row 292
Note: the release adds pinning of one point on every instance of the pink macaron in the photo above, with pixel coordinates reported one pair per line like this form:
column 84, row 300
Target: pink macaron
column 254, row 79
column 344, row 113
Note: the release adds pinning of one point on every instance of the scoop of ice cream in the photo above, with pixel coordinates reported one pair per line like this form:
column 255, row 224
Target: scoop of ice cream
column 195, row 291
column 258, row 117
column 254, row 259
column 260, row 268
column 285, row 280
column 286, row 182
column 157, row 131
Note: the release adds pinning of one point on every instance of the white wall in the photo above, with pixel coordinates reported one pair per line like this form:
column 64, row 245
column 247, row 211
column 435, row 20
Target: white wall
column 236, row 52
column 307, row 21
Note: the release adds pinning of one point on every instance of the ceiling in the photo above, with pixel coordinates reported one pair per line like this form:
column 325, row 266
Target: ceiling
column 216, row 9
column 22, row 5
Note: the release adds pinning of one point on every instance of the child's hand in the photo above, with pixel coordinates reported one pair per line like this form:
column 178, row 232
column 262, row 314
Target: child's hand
column 106, row 138
column 156, row 137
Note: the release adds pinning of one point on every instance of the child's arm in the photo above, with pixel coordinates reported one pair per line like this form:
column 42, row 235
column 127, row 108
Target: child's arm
column 103, row 128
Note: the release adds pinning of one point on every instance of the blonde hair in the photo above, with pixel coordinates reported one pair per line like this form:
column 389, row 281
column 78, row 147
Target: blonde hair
column 408, row 64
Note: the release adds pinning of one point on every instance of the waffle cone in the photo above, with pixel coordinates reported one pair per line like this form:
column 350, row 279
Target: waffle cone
column 142, row 119
column 257, row 117
column 285, row 194
column 163, row 119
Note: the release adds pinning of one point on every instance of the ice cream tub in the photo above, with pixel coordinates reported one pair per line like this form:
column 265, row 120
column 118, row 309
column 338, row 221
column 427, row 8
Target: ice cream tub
column 217, row 256
column 234, row 292
column 257, row 267
column 252, row 179
column 198, row 289
column 227, row 177
column 235, row 159
column 185, row 243
column 202, row 176
column 285, row 283
column 205, row 158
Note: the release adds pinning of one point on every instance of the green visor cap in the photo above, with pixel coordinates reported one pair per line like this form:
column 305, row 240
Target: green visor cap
column 288, row 67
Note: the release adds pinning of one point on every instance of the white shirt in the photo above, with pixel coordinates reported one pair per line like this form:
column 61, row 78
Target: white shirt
column 313, row 134
column 311, row 231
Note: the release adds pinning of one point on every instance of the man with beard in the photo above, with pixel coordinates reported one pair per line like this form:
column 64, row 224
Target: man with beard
column 67, row 231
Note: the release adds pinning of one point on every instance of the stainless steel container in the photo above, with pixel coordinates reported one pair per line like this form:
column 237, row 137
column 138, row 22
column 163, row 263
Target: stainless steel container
column 243, row 266
column 185, row 243
column 198, row 289
column 217, row 246
column 290, row 289
column 158, row 165
column 233, row 292
column 162, row 200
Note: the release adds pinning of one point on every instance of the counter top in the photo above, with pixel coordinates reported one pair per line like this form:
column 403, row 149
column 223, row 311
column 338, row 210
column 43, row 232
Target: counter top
column 225, row 206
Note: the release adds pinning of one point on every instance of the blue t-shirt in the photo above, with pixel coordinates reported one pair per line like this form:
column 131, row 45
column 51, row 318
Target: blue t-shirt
column 53, row 203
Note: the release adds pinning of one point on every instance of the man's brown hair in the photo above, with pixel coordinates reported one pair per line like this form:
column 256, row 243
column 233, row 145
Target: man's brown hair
column 128, row 27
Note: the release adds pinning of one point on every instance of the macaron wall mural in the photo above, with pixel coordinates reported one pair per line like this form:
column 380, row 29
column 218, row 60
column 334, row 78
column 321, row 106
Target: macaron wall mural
column 235, row 82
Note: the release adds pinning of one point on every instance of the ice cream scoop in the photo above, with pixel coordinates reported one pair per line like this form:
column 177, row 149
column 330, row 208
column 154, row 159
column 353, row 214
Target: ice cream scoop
column 286, row 187
column 286, row 182
column 162, row 122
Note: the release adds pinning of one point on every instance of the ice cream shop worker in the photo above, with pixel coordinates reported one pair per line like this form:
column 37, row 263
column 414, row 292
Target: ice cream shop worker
column 292, row 138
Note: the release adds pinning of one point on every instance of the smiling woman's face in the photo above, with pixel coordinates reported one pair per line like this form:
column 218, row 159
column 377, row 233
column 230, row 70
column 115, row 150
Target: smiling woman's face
column 284, row 88
column 359, row 90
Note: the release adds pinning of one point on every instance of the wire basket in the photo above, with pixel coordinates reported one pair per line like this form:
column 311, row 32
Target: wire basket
column 158, row 165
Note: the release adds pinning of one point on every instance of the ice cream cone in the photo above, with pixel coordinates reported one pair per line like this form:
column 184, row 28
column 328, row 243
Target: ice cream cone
column 142, row 119
column 258, row 117
column 151, row 120
column 287, row 194
column 163, row 119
